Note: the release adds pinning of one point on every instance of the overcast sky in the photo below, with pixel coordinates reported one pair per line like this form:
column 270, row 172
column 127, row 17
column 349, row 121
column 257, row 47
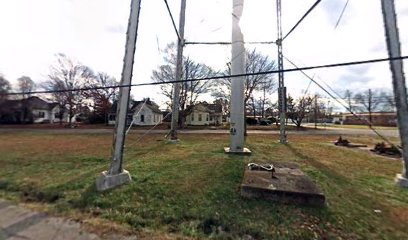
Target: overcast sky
column 93, row 32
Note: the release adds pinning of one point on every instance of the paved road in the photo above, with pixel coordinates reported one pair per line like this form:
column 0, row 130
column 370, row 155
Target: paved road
column 321, row 131
column 18, row 223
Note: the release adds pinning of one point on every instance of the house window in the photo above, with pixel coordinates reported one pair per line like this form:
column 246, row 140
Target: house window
column 154, row 118
column 207, row 118
column 112, row 117
column 211, row 118
column 192, row 117
column 200, row 117
column 41, row 114
column 142, row 118
column 57, row 115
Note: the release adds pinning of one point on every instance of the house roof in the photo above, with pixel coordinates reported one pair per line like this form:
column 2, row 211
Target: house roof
column 11, row 104
column 213, row 107
column 206, row 107
column 197, row 107
column 38, row 103
column 150, row 104
column 31, row 102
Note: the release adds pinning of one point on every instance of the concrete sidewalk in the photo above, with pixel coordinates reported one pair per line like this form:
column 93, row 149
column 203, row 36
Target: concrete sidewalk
column 18, row 223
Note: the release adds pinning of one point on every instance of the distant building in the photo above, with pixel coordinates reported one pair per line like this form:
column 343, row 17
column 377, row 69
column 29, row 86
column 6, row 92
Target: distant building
column 378, row 119
column 30, row 110
column 197, row 115
column 215, row 113
column 204, row 113
column 142, row 113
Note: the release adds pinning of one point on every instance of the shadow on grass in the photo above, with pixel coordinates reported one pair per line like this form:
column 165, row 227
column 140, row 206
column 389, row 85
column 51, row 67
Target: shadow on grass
column 87, row 197
column 357, row 200
column 318, row 165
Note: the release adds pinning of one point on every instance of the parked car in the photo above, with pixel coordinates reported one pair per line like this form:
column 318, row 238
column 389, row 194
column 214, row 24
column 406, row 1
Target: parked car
column 252, row 121
column 265, row 122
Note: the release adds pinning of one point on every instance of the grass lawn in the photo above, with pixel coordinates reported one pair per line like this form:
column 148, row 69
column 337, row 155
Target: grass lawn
column 191, row 190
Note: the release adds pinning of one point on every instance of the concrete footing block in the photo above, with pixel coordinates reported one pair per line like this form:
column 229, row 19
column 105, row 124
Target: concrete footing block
column 286, row 184
column 107, row 181
column 173, row 141
column 243, row 151
column 401, row 181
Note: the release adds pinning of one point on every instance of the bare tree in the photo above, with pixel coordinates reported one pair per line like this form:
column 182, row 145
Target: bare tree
column 255, row 62
column 25, row 85
column 267, row 88
column 224, row 103
column 5, row 87
column 190, row 90
column 102, row 98
column 369, row 101
column 387, row 101
column 348, row 97
column 298, row 110
column 67, row 75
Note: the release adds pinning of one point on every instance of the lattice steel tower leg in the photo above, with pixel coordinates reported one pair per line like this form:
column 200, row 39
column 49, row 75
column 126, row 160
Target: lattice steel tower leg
column 116, row 175
column 179, row 73
column 281, row 89
column 398, row 82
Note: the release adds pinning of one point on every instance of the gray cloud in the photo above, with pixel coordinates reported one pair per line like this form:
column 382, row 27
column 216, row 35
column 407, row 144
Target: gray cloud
column 118, row 28
column 359, row 69
column 333, row 10
column 380, row 47
column 351, row 80
column 354, row 78
column 404, row 12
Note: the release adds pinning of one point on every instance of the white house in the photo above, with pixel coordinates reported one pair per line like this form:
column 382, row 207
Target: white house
column 44, row 112
column 146, row 114
column 141, row 113
column 30, row 110
column 204, row 114
column 198, row 115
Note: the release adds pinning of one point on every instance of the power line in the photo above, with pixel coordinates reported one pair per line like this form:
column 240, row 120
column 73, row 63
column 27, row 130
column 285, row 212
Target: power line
column 331, row 89
column 172, row 19
column 227, row 43
column 207, row 43
column 370, row 125
column 296, row 69
column 341, row 14
column 301, row 19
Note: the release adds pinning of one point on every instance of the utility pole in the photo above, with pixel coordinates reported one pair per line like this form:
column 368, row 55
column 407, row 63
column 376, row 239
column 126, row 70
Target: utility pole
column 237, row 114
column 116, row 175
column 179, row 73
column 281, row 89
column 398, row 82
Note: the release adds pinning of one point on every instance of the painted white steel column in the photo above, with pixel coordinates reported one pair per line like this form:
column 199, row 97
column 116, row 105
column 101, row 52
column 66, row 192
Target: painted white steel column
column 237, row 83
column 116, row 176
column 398, row 82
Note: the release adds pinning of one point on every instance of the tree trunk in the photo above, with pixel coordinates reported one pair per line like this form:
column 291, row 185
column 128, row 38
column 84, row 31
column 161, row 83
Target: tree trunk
column 70, row 115
column 253, row 108
column 245, row 124
column 263, row 103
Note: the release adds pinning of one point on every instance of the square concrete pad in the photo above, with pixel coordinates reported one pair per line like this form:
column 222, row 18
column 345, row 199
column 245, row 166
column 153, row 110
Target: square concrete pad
column 289, row 185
